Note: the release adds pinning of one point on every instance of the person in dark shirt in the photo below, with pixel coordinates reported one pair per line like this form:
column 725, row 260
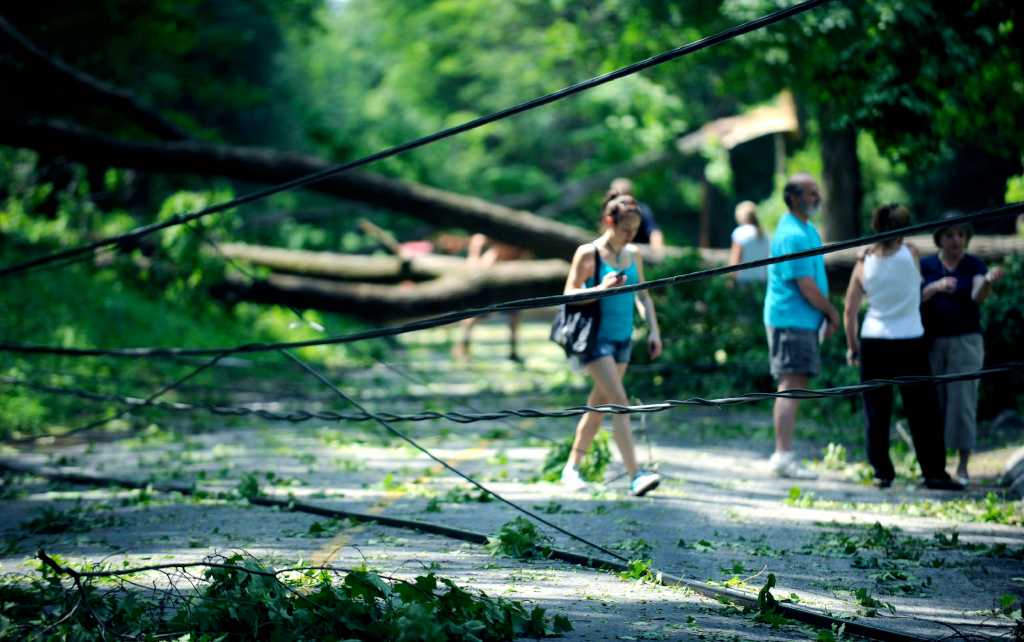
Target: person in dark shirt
column 955, row 283
column 649, row 232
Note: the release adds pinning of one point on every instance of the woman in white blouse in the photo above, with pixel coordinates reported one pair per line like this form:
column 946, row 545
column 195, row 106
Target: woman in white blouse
column 890, row 344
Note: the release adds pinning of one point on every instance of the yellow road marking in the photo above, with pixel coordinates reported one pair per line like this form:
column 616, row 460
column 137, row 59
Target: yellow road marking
column 330, row 550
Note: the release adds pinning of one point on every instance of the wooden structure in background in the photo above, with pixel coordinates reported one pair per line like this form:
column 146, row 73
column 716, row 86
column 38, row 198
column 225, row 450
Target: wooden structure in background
column 776, row 119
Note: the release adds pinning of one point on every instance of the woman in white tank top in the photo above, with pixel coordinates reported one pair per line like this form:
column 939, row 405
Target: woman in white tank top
column 749, row 243
column 892, row 282
column 891, row 344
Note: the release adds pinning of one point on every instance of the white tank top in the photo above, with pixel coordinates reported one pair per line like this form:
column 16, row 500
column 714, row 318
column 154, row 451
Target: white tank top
column 893, row 286
column 754, row 247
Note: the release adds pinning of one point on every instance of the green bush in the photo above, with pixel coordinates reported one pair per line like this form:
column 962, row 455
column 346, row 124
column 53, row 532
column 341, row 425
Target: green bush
column 714, row 345
column 519, row 538
column 121, row 299
column 712, row 334
column 1003, row 319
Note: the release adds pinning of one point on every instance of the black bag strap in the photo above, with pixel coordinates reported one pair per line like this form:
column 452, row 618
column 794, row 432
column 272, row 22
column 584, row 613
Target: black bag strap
column 597, row 271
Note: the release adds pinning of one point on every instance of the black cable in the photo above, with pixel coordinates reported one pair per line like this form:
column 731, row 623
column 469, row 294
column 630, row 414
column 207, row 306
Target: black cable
column 292, row 416
column 672, row 54
column 148, row 401
column 519, row 304
column 298, row 416
column 409, row 440
column 68, row 262
column 419, row 381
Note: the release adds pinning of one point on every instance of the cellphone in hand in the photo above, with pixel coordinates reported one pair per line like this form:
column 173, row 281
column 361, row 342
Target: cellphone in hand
column 822, row 330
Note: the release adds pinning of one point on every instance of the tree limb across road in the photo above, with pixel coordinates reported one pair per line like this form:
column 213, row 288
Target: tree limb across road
column 382, row 302
column 546, row 238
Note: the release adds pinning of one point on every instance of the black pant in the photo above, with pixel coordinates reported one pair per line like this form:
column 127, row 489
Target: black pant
column 887, row 358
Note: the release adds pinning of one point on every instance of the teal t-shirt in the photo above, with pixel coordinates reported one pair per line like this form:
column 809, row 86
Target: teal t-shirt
column 617, row 310
column 784, row 305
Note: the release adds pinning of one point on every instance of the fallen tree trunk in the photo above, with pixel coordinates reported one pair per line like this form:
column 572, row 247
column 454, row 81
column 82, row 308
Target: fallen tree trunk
column 544, row 237
column 365, row 286
column 359, row 267
column 376, row 302
column 385, row 269
column 323, row 280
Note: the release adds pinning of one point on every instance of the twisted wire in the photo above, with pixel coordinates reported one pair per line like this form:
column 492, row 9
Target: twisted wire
column 303, row 415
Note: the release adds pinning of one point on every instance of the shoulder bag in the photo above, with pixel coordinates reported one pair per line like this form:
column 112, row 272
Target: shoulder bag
column 576, row 325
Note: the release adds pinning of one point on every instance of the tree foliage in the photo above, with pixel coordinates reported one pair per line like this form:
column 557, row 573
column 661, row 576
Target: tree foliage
column 920, row 76
column 240, row 598
column 204, row 63
column 347, row 79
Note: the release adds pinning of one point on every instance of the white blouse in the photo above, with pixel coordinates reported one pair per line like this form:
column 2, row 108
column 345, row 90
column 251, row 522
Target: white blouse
column 893, row 287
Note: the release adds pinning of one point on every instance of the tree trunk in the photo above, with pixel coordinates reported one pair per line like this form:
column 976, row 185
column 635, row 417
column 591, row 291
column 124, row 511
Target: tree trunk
column 544, row 237
column 704, row 229
column 387, row 269
column 437, row 283
column 503, row 282
column 842, row 183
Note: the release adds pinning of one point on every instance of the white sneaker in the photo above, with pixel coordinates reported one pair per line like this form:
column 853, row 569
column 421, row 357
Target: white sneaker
column 785, row 465
column 644, row 482
column 571, row 479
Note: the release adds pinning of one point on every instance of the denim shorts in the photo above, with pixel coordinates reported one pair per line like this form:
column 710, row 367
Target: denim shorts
column 618, row 350
column 793, row 351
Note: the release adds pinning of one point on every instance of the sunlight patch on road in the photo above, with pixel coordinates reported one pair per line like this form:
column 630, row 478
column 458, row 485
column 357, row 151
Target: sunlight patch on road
column 327, row 553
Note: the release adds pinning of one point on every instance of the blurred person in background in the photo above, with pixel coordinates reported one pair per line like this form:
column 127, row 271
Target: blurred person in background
column 749, row 243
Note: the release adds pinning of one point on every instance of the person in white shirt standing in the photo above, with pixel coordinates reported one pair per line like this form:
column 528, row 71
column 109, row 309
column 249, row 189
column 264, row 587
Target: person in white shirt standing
column 890, row 344
column 749, row 243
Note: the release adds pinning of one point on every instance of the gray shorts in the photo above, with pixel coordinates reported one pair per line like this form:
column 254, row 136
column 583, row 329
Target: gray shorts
column 793, row 351
column 958, row 400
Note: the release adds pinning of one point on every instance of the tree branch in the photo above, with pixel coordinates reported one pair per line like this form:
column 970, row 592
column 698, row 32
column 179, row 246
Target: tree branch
column 502, row 282
column 545, row 237
column 87, row 85
column 72, row 573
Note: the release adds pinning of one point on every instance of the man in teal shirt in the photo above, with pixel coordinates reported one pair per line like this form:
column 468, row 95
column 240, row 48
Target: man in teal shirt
column 796, row 308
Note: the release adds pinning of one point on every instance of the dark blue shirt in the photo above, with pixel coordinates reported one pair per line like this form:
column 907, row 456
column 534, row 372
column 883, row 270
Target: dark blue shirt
column 647, row 224
column 954, row 313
